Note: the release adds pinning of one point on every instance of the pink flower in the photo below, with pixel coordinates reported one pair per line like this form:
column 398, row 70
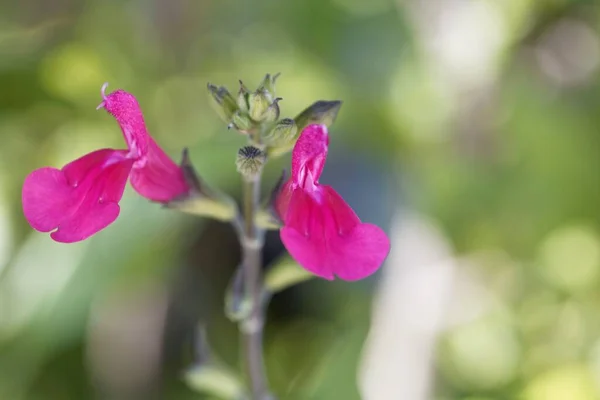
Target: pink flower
column 83, row 197
column 321, row 232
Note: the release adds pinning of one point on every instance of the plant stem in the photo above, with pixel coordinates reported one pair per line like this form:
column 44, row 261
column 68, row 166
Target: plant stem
column 252, row 327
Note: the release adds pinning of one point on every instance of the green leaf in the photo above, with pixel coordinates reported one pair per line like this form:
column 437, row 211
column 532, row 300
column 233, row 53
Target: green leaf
column 215, row 380
column 202, row 206
column 266, row 220
column 284, row 274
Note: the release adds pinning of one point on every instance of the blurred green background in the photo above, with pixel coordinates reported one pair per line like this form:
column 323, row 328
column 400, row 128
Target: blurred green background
column 469, row 131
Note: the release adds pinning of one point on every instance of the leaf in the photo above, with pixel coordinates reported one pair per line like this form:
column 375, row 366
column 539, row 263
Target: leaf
column 215, row 380
column 265, row 219
column 202, row 206
column 284, row 274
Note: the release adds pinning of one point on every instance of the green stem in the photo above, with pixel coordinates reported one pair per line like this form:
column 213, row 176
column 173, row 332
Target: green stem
column 252, row 326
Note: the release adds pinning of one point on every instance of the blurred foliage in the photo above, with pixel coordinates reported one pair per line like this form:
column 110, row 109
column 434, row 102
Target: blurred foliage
column 493, row 133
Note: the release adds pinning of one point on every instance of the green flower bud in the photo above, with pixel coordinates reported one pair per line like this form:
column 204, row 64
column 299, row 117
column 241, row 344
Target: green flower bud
column 249, row 161
column 241, row 122
column 259, row 101
column 268, row 83
column 242, row 99
column 283, row 133
column 321, row 112
column 272, row 113
column 222, row 101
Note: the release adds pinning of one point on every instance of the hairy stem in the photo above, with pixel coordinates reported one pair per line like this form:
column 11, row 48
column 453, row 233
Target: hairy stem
column 252, row 327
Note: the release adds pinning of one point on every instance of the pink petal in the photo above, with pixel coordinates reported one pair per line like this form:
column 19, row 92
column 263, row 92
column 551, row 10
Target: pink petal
column 78, row 200
column 326, row 237
column 312, row 255
column 126, row 110
column 359, row 253
column 159, row 178
column 282, row 202
column 309, row 155
column 344, row 217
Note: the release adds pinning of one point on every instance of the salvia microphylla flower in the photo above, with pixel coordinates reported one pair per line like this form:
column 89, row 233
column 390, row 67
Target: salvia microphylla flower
column 320, row 230
column 83, row 197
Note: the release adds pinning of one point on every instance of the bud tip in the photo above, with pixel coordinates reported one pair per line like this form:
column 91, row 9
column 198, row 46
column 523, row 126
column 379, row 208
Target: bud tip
column 250, row 161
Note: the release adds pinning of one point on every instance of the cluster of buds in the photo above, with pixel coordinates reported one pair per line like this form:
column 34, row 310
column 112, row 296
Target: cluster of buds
column 257, row 114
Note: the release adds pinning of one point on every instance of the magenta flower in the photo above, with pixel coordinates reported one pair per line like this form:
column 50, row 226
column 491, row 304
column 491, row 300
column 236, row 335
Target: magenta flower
column 321, row 232
column 83, row 197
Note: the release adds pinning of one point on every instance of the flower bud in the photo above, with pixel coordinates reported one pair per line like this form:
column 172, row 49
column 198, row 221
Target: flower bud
column 272, row 113
column 321, row 112
column 240, row 122
column 242, row 98
column 259, row 101
column 268, row 84
column 222, row 101
column 250, row 161
column 282, row 134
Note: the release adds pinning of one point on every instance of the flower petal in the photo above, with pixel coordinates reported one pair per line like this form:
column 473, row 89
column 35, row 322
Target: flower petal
column 359, row 249
column 344, row 217
column 80, row 199
column 159, row 178
column 309, row 154
column 359, row 253
column 310, row 254
column 46, row 198
column 282, row 202
column 325, row 236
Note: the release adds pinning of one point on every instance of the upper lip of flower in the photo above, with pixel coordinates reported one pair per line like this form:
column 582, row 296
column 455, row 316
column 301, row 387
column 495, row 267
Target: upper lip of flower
column 134, row 151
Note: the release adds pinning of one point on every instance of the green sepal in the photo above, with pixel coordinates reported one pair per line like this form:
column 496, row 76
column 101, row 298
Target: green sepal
column 222, row 101
column 202, row 200
column 320, row 112
column 281, row 138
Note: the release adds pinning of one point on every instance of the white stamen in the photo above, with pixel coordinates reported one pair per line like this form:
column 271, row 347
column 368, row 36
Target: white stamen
column 103, row 94
column 103, row 90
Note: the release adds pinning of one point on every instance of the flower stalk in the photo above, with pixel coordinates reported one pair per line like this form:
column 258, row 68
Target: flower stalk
column 252, row 326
